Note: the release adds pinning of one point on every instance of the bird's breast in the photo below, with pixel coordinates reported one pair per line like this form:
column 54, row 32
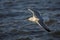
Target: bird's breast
column 33, row 19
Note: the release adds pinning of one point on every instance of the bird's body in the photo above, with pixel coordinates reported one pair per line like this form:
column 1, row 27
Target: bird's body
column 37, row 19
column 34, row 19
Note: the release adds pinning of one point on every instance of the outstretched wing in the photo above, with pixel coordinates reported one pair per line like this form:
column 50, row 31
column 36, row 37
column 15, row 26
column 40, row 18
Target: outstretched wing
column 31, row 12
column 44, row 26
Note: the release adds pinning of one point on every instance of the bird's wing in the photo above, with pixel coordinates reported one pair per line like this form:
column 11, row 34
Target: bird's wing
column 44, row 26
column 32, row 12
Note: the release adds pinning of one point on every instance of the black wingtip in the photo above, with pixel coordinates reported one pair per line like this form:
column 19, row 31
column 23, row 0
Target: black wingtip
column 48, row 30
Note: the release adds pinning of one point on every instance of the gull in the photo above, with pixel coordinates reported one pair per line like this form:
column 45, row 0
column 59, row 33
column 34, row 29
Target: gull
column 38, row 19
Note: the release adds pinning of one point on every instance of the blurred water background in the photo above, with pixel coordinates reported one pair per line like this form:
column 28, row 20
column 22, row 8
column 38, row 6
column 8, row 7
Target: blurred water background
column 13, row 23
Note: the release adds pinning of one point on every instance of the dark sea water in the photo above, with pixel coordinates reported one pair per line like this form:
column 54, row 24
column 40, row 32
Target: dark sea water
column 15, row 26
